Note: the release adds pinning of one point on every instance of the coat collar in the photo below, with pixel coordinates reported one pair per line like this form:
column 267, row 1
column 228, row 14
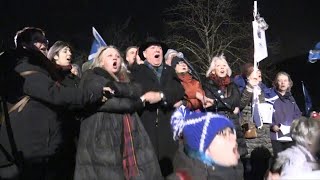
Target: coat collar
column 101, row 72
column 150, row 74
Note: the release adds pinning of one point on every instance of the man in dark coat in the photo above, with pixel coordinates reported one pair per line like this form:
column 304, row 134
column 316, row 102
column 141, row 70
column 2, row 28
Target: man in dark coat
column 166, row 91
column 33, row 95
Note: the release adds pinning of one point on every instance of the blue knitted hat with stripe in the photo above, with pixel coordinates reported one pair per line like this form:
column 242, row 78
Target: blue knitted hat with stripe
column 198, row 128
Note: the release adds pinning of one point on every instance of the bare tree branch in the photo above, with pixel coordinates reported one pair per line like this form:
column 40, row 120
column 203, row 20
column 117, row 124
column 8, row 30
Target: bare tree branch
column 206, row 28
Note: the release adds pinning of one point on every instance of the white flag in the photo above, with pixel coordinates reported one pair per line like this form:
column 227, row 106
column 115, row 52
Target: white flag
column 260, row 45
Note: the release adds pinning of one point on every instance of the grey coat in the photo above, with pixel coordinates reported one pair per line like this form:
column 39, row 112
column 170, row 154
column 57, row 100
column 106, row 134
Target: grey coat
column 263, row 134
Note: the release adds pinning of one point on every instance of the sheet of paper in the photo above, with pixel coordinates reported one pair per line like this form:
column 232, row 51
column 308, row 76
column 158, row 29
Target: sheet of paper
column 283, row 138
column 285, row 129
column 265, row 112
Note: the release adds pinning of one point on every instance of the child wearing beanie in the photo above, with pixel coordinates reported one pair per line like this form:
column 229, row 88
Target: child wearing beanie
column 210, row 147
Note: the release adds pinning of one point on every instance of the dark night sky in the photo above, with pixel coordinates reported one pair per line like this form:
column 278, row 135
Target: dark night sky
column 66, row 20
column 292, row 22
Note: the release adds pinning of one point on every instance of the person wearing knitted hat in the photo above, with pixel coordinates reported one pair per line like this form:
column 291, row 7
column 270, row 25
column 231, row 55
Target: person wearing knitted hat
column 170, row 54
column 210, row 147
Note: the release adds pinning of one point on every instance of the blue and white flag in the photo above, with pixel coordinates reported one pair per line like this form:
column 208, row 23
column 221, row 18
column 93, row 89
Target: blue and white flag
column 259, row 26
column 96, row 44
column 307, row 99
column 314, row 54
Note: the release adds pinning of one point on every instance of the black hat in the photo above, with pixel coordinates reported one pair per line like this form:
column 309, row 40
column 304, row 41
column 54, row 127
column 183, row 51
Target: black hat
column 151, row 41
column 175, row 61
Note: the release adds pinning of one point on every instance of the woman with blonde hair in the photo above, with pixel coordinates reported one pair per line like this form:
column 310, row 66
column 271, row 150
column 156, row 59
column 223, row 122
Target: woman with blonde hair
column 113, row 143
column 224, row 91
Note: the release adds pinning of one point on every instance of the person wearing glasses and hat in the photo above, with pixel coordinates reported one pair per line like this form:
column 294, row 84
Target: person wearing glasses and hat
column 165, row 91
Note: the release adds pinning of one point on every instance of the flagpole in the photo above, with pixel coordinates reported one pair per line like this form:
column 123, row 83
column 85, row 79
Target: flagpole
column 307, row 99
column 255, row 13
column 260, row 46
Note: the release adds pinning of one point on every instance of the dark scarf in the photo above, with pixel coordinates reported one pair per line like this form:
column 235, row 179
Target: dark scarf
column 222, row 82
column 156, row 70
column 63, row 71
column 287, row 95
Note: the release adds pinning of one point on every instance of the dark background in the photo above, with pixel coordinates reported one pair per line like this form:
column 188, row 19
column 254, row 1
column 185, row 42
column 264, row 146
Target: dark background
column 292, row 23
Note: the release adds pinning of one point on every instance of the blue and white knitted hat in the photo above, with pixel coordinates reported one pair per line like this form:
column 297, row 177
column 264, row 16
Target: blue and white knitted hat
column 198, row 128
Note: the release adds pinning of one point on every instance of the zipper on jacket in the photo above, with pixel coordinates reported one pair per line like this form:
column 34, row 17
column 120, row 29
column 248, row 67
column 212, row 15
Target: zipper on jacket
column 157, row 118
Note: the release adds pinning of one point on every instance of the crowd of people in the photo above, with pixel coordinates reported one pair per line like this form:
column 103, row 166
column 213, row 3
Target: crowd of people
column 146, row 116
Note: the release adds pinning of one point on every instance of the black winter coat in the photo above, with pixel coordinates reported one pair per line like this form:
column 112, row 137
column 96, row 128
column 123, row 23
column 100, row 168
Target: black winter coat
column 100, row 146
column 199, row 171
column 156, row 117
column 232, row 99
column 36, row 128
column 70, row 128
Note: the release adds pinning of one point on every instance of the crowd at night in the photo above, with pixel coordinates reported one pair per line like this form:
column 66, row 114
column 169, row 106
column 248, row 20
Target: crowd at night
column 136, row 102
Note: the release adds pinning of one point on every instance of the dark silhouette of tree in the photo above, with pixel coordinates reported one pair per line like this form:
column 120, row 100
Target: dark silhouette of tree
column 206, row 28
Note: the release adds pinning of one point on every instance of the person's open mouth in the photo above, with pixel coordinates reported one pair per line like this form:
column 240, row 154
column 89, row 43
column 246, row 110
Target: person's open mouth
column 115, row 64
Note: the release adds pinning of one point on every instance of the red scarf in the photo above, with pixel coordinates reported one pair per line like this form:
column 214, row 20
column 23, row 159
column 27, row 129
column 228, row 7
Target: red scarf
column 129, row 161
column 185, row 77
column 222, row 82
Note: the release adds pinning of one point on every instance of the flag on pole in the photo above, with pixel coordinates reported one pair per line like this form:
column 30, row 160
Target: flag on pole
column 260, row 52
column 314, row 54
column 307, row 99
column 260, row 46
column 96, row 44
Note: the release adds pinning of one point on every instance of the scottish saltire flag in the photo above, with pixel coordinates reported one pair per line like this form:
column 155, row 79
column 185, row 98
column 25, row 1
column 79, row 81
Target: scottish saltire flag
column 96, row 44
column 314, row 54
column 307, row 99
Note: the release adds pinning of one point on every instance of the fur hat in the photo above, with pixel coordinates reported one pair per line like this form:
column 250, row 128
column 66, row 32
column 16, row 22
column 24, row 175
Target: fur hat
column 151, row 41
column 198, row 128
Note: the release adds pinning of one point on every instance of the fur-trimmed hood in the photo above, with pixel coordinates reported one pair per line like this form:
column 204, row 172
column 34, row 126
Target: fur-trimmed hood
column 295, row 160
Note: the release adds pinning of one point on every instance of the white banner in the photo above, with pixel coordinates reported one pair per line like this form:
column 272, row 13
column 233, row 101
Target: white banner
column 260, row 45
